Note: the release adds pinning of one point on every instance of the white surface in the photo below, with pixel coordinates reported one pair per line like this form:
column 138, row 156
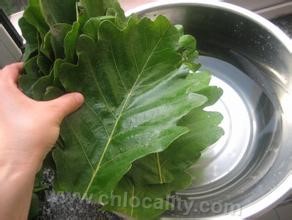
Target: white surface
column 14, row 20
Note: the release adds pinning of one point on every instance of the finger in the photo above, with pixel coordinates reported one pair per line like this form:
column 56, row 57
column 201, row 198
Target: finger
column 66, row 104
column 12, row 71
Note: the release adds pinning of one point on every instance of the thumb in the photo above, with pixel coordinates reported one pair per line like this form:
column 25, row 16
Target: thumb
column 67, row 104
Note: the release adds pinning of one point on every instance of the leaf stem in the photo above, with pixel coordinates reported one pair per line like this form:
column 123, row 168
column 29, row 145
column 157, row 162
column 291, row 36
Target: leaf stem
column 159, row 168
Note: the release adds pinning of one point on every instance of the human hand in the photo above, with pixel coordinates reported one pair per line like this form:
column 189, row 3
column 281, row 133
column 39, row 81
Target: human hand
column 28, row 128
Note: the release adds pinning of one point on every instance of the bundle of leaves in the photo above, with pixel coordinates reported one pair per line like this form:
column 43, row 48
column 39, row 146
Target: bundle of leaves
column 143, row 124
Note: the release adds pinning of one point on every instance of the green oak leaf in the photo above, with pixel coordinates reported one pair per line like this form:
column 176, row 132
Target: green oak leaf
column 143, row 124
column 168, row 171
column 58, row 34
column 58, row 11
column 94, row 8
column 30, row 34
column 33, row 15
column 70, row 42
column 135, row 94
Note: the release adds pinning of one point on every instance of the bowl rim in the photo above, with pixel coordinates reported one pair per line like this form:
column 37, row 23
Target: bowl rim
column 269, row 26
column 277, row 194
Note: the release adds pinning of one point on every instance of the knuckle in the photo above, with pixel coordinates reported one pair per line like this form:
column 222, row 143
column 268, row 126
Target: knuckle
column 8, row 68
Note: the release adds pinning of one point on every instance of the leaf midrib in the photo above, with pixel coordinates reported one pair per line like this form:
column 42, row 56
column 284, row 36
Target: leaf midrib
column 121, row 112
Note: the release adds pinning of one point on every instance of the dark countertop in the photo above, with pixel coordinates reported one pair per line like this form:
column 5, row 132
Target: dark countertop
column 285, row 23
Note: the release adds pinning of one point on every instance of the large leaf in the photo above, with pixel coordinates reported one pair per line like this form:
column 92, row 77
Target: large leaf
column 145, row 201
column 70, row 42
column 98, row 8
column 33, row 15
column 167, row 172
column 51, row 30
column 40, row 69
column 58, row 34
column 58, row 11
column 135, row 94
column 204, row 131
column 30, row 34
column 144, row 102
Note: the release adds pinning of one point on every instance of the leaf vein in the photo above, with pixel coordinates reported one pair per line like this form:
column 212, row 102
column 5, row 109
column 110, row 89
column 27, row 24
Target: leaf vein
column 92, row 110
column 121, row 112
column 82, row 147
column 117, row 69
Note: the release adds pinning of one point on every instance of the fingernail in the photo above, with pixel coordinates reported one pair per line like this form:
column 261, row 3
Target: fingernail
column 79, row 97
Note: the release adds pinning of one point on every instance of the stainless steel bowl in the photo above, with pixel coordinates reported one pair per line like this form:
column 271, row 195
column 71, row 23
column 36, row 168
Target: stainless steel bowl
column 249, row 169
